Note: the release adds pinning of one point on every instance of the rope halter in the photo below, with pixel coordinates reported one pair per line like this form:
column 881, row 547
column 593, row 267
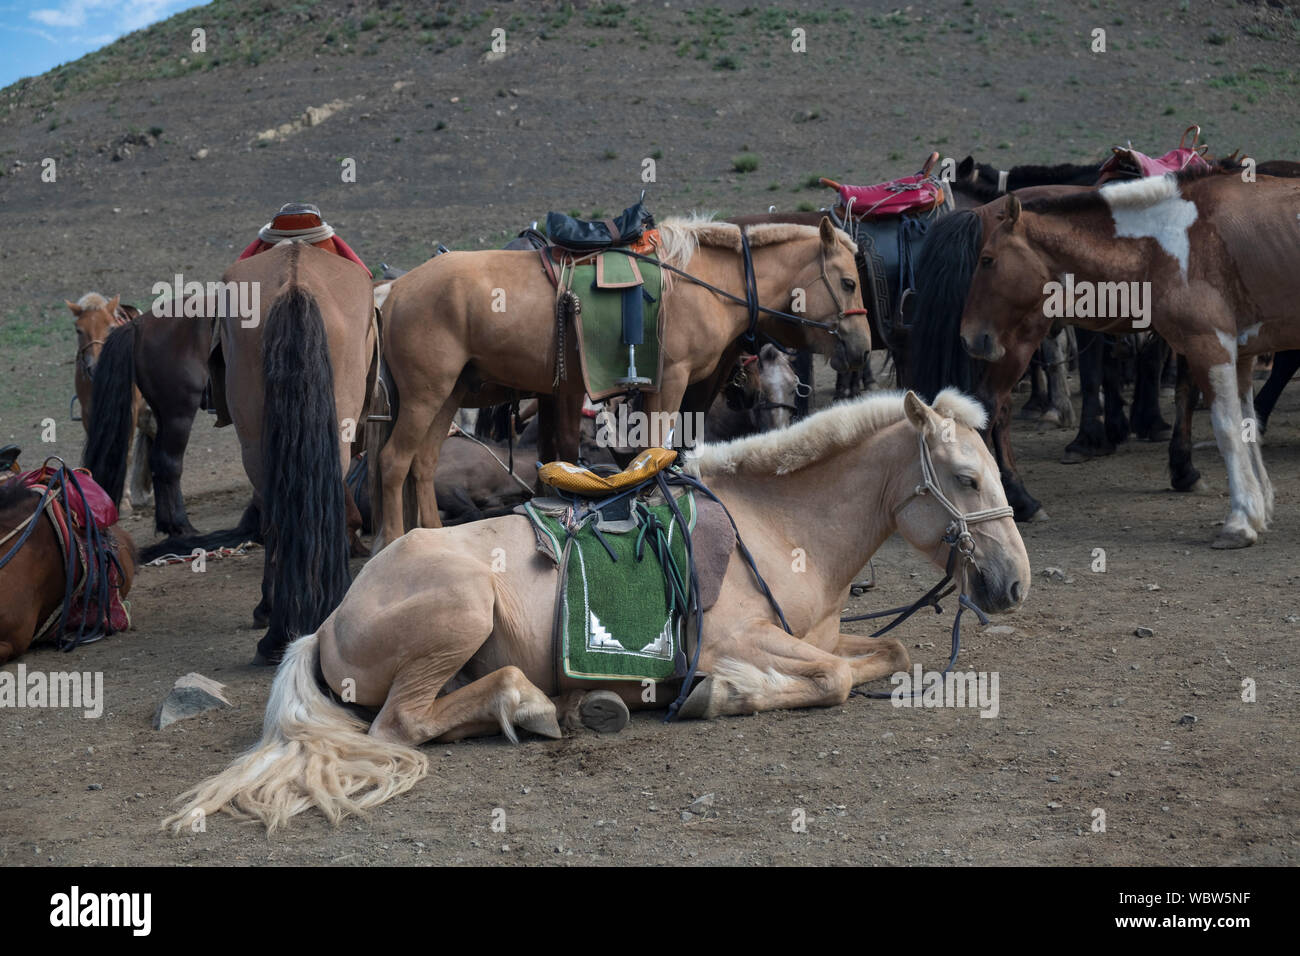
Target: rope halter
column 957, row 535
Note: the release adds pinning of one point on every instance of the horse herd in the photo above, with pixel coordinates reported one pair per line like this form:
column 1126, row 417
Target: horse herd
column 446, row 632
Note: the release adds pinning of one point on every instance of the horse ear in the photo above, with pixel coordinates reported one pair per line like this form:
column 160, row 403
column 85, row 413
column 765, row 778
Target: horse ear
column 827, row 229
column 76, row 309
column 921, row 415
column 966, row 169
column 1013, row 209
column 113, row 303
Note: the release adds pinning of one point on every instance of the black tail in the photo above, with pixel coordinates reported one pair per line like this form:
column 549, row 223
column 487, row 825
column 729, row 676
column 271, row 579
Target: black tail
column 111, row 408
column 248, row 529
column 302, row 487
column 945, row 269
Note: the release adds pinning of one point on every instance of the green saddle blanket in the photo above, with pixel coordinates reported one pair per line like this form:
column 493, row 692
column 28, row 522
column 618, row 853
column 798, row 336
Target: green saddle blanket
column 620, row 299
column 617, row 619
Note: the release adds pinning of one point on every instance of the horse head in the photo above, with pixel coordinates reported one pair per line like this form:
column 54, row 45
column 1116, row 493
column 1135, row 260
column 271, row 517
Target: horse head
column 957, row 511
column 94, row 318
column 1004, row 308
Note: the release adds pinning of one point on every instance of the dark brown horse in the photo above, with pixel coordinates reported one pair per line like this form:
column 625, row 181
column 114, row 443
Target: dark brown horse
column 165, row 359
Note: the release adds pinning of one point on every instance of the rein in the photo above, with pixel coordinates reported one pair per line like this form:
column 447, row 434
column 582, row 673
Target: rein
column 750, row 301
column 961, row 547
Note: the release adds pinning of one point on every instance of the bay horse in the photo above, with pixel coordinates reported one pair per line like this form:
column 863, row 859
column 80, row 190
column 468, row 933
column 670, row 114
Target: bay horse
column 164, row 358
column 1219, row 256
column 94, row 319
column 294, row 378
column 444, row 647
column 33, row 572
column 444, row 341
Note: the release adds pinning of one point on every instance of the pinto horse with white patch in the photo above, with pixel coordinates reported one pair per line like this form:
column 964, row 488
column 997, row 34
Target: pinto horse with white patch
column 1222, row 259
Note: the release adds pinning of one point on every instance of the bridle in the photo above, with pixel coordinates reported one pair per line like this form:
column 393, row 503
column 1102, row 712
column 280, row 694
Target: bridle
column 82, row 362
column 750, row 301
column 754, row 408
column 961, row 548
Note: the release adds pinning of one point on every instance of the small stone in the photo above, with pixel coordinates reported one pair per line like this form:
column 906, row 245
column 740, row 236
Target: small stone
column 1053, row 805
column 191, row 695
column 200, row 154
column 96, row 786
column 1144, row 632
column 1153, row 587
column 1053, row 778
column 1000, row 629
column 1114, row 773
column 1187, row 720
column 1053, row 574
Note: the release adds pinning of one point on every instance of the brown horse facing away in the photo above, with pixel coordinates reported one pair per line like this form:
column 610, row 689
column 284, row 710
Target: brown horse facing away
column 293, row 378
column 445, row 648
column 95, row 318
column 1221, row 261
column 444, row 338
column 37, row 570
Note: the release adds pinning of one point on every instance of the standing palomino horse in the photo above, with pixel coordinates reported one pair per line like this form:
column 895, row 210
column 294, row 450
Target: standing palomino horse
column 1221, row 260
column 443, row 339
column 445, row 648
column 294, row 380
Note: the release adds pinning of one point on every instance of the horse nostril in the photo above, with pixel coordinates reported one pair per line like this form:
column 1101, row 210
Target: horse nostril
column 1015, row 591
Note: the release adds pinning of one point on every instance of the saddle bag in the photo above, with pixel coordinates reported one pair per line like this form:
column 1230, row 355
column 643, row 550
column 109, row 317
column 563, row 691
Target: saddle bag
column 584, row 235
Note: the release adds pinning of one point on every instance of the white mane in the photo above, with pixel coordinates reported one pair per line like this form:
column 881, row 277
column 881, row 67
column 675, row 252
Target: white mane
column 1141, row 193
column 681, row 236
column 848, row 423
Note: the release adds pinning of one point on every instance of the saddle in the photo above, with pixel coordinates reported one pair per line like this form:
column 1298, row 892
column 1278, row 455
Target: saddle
column 79, row 511
column 583, row 481
column 909, row 195
column 301, row 222
column 889, row 222
column 1128, row 163
column 583, row 235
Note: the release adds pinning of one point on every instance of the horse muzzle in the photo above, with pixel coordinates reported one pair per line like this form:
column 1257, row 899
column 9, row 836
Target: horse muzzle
column 983, row 346
column 996, row 592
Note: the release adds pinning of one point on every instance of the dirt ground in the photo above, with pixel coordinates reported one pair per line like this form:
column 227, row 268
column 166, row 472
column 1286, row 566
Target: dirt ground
column 1091, row 716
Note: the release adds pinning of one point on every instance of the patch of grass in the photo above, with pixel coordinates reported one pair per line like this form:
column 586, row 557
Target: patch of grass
column 744, row 163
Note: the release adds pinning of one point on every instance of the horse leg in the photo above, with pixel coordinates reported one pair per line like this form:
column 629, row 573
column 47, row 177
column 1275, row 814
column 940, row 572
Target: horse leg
column 1183, row 476
column 1091, row 440
column 412, row 428
column 425, row 463
column 872, row 657
column 764, row 668
column 1060, row 410
column 1026, row 506
column 495, row 703
column 1285, row 365
column 1246, row 514
column 1148, row 423
column 1037, row 401
column 1246, row 388
column 141, row 479
column 1117, row 425
column 166, row 460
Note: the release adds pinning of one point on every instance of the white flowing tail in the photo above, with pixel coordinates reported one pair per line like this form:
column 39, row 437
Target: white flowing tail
column 313, row 753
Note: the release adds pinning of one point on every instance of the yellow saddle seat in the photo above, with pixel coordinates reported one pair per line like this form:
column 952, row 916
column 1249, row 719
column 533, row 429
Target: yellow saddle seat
column 582, row 481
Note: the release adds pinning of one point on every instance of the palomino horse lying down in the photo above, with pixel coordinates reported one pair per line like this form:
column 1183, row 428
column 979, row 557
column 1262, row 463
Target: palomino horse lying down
column 444, row 648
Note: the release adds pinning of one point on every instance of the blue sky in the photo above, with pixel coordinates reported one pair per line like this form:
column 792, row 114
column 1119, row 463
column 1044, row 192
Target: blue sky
column 37, row 35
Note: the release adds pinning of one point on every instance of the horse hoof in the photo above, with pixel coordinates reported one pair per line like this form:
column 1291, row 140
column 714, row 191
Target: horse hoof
column 261, row 660
column 1158, row 435
column 1073, row 456
column 1202, row 487
column 696, row 706
column 543, row 724
column 603, row 711
column 1039, row 515
column 1234, row 539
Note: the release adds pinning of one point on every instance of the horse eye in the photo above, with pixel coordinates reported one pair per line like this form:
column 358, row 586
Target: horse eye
column 968, row 482
column 986, row 261
column 848, row 284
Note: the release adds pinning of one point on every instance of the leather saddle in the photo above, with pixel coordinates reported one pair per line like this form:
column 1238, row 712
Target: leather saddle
column 584, row 235
column 1128, row 163
column 908, row 195
column 584, row 482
